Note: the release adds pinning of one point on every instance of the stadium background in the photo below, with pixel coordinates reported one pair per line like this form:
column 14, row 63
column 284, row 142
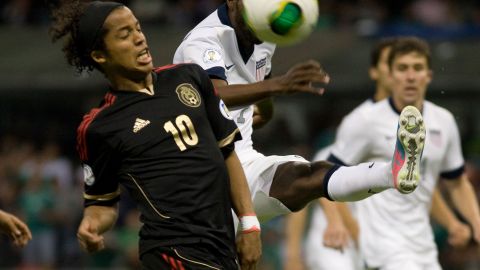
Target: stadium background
column 42, row 101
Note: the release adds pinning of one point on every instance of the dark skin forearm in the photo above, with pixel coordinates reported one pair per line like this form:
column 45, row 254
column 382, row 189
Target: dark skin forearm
column 242, row 94
column 302, row 77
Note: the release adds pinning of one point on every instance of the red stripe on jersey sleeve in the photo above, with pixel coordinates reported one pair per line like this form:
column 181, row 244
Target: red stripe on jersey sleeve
column 87, row 120
column 162, row 68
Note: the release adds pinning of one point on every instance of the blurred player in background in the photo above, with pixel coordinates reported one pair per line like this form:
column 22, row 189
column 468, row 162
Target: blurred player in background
column 238, row 62
column 395, row 230
column 167, row 138
column 340, row 231
column 15, row 229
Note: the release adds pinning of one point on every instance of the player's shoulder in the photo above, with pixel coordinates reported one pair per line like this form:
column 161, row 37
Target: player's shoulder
column 437, row 111
column 208, row 29
column 361, row 112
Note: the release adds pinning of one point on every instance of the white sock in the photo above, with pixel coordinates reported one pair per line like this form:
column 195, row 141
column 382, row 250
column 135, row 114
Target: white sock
column 355, row 183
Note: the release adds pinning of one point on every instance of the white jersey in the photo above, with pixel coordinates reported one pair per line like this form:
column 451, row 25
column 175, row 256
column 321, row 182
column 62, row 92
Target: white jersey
column 213, row 45
column 395, row 226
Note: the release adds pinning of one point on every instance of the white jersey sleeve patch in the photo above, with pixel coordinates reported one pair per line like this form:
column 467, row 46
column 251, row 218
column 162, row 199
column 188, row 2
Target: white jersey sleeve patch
column 224, row 110
column 211, row 56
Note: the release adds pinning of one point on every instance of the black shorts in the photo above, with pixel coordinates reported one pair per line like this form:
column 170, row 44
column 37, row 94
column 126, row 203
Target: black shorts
column 189, row 257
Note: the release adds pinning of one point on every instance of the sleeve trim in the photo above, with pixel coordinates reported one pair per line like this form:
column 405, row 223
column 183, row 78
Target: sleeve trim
column 229, row 139
column 102, row 197
column 332, row 158
column 453, row 174
column 217, row 73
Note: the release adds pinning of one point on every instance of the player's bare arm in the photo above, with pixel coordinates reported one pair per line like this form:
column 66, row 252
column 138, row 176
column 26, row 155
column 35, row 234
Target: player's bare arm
column 336, row 234
column 465, row 200
column 295, row 224
column 96, row 221
column 249, row 245
column 303, row 77
column 15, row 229
column 262, row 113
column 459, row 234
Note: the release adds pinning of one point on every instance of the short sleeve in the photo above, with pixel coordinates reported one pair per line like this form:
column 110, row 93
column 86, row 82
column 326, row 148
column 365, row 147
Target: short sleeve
column 101, row 185
column 204, row 51
column 351, row 143
column 453, row 161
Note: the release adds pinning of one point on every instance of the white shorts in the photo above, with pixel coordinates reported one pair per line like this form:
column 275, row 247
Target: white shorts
column 410, row 265
column 260, row 170
column 320, row 257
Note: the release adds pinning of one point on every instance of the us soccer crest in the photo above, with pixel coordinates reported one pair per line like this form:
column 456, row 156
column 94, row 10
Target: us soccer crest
column 188, row 95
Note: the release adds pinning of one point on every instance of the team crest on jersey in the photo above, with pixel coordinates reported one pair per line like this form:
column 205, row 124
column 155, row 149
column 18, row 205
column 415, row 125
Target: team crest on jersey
column 211, row 56
column 188, row 95
column 224, row 110
column 88, row 176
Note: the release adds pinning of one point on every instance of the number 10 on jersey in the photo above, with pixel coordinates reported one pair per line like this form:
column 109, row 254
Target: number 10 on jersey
column 182, row 131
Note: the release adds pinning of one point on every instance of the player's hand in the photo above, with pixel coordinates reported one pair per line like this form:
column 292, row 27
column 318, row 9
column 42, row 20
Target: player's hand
column 15, row 228
column 249, row 249
column 294, row 263
column 336, row 236
column 476, row 232
column 459, row 235
column 88, row 237
column 306, row 77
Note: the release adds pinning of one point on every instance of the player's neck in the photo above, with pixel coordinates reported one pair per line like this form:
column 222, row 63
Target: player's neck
column 144, row 85
column 380, row 94
column 399, row 104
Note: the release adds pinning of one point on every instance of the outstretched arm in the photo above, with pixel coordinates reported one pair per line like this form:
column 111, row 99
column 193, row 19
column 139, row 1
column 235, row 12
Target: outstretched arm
column 458, row 233
column 15, row 228
column 294, row 229
column 249, row 245
column 465, row 200
column 302, row 77
column 96, row 221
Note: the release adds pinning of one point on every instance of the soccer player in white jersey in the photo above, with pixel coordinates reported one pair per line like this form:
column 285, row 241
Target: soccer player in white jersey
column 331, row 239
column 340, row 231
column 238, row 63
column 395, row 230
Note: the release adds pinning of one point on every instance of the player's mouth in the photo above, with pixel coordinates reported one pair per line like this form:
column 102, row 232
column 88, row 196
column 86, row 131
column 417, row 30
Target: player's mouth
column 144, row 57
column 410, row 89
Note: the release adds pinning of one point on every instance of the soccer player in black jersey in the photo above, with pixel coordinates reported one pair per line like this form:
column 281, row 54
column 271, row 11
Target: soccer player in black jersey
column 167, row 138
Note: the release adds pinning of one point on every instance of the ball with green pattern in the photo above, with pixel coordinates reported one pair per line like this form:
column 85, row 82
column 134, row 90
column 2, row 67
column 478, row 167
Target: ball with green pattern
column 283, row 22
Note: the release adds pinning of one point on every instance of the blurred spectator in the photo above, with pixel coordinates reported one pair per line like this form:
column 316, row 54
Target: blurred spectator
column 37, row 201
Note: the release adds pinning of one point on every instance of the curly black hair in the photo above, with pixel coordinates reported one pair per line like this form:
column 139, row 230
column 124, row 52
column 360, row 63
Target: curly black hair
column 66, row 16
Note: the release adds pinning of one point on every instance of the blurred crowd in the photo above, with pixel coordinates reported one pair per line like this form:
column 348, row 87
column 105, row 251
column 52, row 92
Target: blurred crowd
column 44, row 188
column 370, row 17
column 179, row 12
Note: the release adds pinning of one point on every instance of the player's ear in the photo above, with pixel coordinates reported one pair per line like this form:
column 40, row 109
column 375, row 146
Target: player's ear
column 430, row 75
column 98, row 56
column 373, row 73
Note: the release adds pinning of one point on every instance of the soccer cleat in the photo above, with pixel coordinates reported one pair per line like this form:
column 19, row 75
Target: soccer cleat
column 408, row 150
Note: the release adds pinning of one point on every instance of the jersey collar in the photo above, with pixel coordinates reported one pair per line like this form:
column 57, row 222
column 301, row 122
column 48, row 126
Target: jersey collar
column 222, row 11
column 392, row 105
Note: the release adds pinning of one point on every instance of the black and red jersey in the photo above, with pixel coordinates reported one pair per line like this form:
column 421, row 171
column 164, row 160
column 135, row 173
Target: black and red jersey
column 167, row 149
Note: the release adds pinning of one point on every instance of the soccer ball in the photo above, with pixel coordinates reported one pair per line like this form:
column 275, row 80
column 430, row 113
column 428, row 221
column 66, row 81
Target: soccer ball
column 283, row 22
